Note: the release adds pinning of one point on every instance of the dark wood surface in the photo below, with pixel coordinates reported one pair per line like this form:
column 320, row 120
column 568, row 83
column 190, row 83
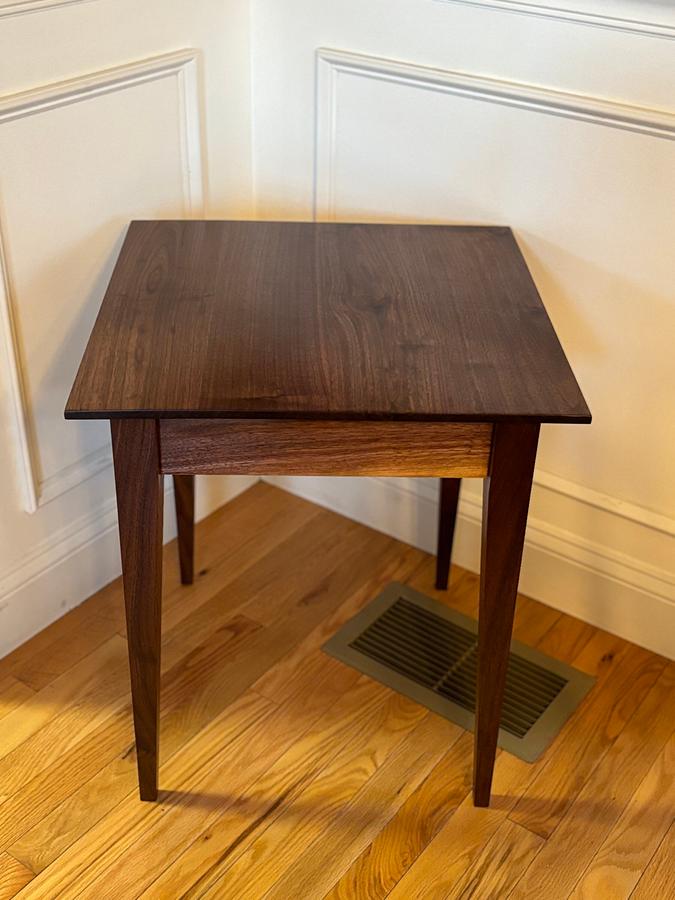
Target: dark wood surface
column 506, row 498
column 447, row 518
column 140, row 503
column 299, row 447
column 184, row 496
column 420, row 350
column 252, row 319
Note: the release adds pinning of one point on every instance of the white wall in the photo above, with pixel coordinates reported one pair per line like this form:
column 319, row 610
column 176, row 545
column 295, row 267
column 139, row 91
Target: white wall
column 109, row 110
column 558, row 119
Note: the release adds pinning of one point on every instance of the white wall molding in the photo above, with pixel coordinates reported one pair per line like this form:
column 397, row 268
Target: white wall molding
column 181, row 65
column 594, row 582
column 77, row 560
column 71, row 476
column 28, row 6
column 632, row 512
column 563, row 12
column 47, row 554
column 331, row 64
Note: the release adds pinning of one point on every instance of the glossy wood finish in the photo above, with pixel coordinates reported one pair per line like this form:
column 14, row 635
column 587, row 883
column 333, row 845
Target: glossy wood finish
column 184, row 495
column 324, row 349
column 282, row 766
column 298, row 447
column 140, row 501
column 506, row 497
column 302, row 320
column 447, row 518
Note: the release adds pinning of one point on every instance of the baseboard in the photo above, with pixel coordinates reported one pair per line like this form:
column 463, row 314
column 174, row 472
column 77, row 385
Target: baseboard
column 79, row 560
column 605, row 586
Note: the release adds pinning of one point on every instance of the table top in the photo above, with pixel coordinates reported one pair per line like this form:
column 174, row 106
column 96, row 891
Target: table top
column 325, row 321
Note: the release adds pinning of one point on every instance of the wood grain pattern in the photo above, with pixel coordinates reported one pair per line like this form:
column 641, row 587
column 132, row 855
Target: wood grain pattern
column 184, row 493
column 60, row 707
column 217, row 774
column 322, row 863
column 217, row 847
column 386, row 860
column 628, row 848
column 286, row 839
column 499, row 865
column 13, row 876
column 255, row 717
column 13, row 693
column 220, row 660
column 306, row 320
column 607, row 791
column 506, row 500
column 626, row 674
column 658, row 879
column 381, row 865
column 140, row 506
column 239, row 447
column 447, row 857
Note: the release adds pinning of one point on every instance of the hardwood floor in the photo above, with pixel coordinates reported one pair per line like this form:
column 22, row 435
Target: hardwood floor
column 287, row 775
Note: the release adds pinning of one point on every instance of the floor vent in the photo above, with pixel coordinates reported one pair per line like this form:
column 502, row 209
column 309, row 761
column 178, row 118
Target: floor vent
column 423, row 649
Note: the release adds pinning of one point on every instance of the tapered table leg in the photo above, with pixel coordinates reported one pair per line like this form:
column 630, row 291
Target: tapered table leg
column 140, row 497
column 184, row 494
column 506, row 498
column 447, row 516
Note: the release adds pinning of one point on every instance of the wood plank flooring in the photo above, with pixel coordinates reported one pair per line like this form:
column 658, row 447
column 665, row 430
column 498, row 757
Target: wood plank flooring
column 287, row 775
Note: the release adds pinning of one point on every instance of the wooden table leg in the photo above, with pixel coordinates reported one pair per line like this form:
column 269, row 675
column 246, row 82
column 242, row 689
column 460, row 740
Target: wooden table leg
column 140, row 498
column 506, row 497
column 184, row 495
column 447, row 516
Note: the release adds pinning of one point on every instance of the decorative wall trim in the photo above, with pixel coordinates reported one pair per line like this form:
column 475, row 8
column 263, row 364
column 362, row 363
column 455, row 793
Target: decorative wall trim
column 633, row 512
column 78, row 560
column 331, row 64
column 637, row 515
column 576, row 16
column 28, row 6
column 47, row 554
column 70, row 476
column 21, row 434
column 594, row 582
column 181, row 65
column 599, row 558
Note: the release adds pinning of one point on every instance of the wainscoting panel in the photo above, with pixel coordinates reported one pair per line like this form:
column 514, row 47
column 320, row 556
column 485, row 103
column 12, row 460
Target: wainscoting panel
column 109, row 111
column 67, row 249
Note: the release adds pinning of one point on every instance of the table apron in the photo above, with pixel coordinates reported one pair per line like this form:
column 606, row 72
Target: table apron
column 317, row 447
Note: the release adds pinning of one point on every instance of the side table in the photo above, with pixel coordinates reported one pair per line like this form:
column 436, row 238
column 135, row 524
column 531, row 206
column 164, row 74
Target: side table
column 322, row 349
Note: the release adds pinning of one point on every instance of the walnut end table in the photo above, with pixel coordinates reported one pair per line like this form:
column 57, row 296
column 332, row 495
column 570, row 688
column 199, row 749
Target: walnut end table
column 322, row 349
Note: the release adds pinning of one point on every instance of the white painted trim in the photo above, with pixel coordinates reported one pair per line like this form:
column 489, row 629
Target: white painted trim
column 103, row 81
column 91, row 541
column 20, row 7
column 598, row 558
column 575, row 16
column 47, row 554
column 594, row 582
column 181, row 65
column 70, row 476
column 331, row 64
column 21, row 437
column 633, row 512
